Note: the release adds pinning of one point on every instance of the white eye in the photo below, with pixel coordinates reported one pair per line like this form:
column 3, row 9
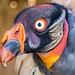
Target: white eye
column 40, row 24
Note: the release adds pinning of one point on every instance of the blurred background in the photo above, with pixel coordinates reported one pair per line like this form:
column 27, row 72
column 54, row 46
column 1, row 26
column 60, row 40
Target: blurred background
column 8, row 11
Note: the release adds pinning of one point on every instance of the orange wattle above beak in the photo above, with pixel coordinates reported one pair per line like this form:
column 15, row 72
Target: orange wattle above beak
column 12, row 43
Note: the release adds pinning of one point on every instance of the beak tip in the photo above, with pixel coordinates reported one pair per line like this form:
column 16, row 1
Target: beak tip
column 9, row 51
column 4, row 64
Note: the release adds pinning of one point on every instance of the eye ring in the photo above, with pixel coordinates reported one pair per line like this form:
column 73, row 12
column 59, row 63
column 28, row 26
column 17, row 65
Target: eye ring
column 40, row 24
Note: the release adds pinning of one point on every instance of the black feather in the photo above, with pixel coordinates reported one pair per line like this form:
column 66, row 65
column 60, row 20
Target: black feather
column 40, row 64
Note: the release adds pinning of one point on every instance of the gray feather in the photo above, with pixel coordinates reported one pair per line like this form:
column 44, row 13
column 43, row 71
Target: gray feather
column 66, row 64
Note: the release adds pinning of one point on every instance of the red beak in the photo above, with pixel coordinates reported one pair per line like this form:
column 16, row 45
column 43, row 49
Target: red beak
column 12, row 43
column 9, row 51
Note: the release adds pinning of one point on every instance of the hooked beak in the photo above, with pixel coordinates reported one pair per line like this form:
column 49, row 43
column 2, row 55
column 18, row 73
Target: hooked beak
column 12, row 44
column 9, row 51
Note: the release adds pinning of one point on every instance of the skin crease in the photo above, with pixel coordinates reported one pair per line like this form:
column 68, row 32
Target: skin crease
column 25, row 65
column 28, row 23
column 65, row 64
column 67, row 60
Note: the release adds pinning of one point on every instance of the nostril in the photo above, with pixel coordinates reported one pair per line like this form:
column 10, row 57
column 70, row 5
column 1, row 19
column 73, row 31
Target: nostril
column 16, row 32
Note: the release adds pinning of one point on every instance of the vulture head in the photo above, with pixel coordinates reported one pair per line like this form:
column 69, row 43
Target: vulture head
column 39, row 29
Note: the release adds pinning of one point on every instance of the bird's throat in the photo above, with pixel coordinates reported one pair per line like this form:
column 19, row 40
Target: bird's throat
column 49, row 58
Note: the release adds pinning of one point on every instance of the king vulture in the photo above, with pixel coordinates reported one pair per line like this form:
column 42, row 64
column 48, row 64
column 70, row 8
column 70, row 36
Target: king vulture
column 47, row 31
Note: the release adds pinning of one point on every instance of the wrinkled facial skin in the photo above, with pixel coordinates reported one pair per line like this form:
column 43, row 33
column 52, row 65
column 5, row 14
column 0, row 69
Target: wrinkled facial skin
column 16, row 32
column 35, row 40
column 12, row 43
column 9, row 51
column 24, row 32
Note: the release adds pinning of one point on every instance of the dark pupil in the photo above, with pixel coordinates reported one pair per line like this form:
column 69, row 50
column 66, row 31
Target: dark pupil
column 39, row 24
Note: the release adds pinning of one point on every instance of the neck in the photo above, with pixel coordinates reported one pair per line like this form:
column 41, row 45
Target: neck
column 49, row 58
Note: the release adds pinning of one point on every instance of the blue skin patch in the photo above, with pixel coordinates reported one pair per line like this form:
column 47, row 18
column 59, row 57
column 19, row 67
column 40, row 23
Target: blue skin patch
column 13, row 46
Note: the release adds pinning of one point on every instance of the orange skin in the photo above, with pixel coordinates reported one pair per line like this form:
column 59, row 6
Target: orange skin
column 44, row 21
column 49, row 58
column 52, row 56
column 17, row 33
column 5, row 55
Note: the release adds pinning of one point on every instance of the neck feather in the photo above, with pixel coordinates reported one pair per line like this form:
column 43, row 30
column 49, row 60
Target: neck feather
column 49, row 58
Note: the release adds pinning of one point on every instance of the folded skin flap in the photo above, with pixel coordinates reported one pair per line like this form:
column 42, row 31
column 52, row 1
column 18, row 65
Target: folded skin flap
column 9, row 51
column 12, row 43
